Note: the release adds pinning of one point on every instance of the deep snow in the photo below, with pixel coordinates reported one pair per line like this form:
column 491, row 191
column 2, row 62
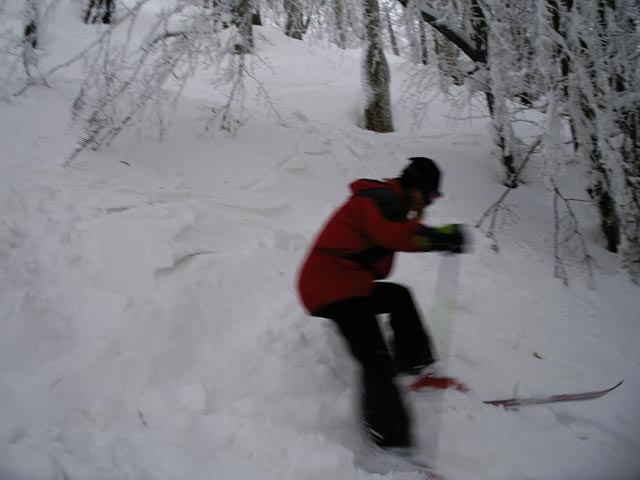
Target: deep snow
column 150, row 326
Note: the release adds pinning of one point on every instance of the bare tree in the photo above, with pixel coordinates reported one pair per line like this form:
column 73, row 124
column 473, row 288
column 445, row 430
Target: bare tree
column 21, row 49
column 128, row 83
column 473, row 40
column 591, row 70
column 574, row 61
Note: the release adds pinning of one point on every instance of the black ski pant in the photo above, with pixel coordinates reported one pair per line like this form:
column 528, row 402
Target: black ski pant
column 384, row 412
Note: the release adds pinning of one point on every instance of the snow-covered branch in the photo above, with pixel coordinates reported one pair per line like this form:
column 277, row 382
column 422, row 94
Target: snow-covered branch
column 85, row 52
column 442, row 23
column 568, row 240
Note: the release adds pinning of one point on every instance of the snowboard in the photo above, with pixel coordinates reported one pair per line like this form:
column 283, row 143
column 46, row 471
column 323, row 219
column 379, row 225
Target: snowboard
column 543, row 399
column 433, row 381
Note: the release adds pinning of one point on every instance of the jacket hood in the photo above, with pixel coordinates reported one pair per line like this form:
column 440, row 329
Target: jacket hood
column 366, row 184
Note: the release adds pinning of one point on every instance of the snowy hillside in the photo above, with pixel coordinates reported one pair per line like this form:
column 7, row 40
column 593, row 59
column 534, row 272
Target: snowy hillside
column 150, row 329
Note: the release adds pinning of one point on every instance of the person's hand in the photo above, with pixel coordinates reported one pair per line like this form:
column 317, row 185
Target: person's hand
column 450, row 238
column 446, row 238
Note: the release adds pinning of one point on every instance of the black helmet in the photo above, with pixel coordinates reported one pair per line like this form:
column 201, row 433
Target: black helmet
column 422, row 173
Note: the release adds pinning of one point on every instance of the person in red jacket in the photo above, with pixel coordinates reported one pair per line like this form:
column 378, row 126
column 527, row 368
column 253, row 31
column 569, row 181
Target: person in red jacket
column 340, row 280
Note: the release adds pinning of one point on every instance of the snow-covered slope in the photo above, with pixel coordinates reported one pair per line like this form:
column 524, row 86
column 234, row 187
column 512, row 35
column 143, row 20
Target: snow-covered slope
column 149, row 326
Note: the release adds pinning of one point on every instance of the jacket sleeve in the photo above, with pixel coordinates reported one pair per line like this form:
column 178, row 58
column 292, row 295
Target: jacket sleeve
column 393, row 235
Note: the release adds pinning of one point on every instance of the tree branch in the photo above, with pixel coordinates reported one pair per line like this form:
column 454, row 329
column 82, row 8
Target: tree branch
column 31, row 82
column 563, row 244
column 498, row 205
column 457, row 36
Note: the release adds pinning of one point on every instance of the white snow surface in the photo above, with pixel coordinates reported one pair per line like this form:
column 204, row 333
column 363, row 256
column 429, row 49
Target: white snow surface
column 150, row 328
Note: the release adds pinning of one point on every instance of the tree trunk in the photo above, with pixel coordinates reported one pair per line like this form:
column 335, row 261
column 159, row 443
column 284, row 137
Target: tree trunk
column 377, row 113
column 392, row 35
column 480, row 29
column 294, row 26
column 502, row 129
column 30, row 36
column 243, row 20
column 410, row 14
column 601, row 188
column 447, row 54
column 100, row 11
column 338, row 13
column 501, row 124
column 609, row 221
column 256, row 18
column 631, row 170
column 626, row 202
column 424, row 52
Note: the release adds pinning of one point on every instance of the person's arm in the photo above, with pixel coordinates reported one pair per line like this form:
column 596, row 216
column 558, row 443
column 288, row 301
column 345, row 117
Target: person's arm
column 407, row 235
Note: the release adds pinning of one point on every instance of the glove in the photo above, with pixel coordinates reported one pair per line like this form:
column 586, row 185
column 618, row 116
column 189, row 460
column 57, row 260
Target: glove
column 446, row 238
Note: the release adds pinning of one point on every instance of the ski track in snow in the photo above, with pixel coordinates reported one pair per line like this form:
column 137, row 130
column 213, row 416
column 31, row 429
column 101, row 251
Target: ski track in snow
column 150, row 327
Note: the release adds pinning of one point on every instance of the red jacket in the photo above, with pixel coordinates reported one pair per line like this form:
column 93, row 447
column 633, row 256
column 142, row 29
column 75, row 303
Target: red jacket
column 357, row 244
